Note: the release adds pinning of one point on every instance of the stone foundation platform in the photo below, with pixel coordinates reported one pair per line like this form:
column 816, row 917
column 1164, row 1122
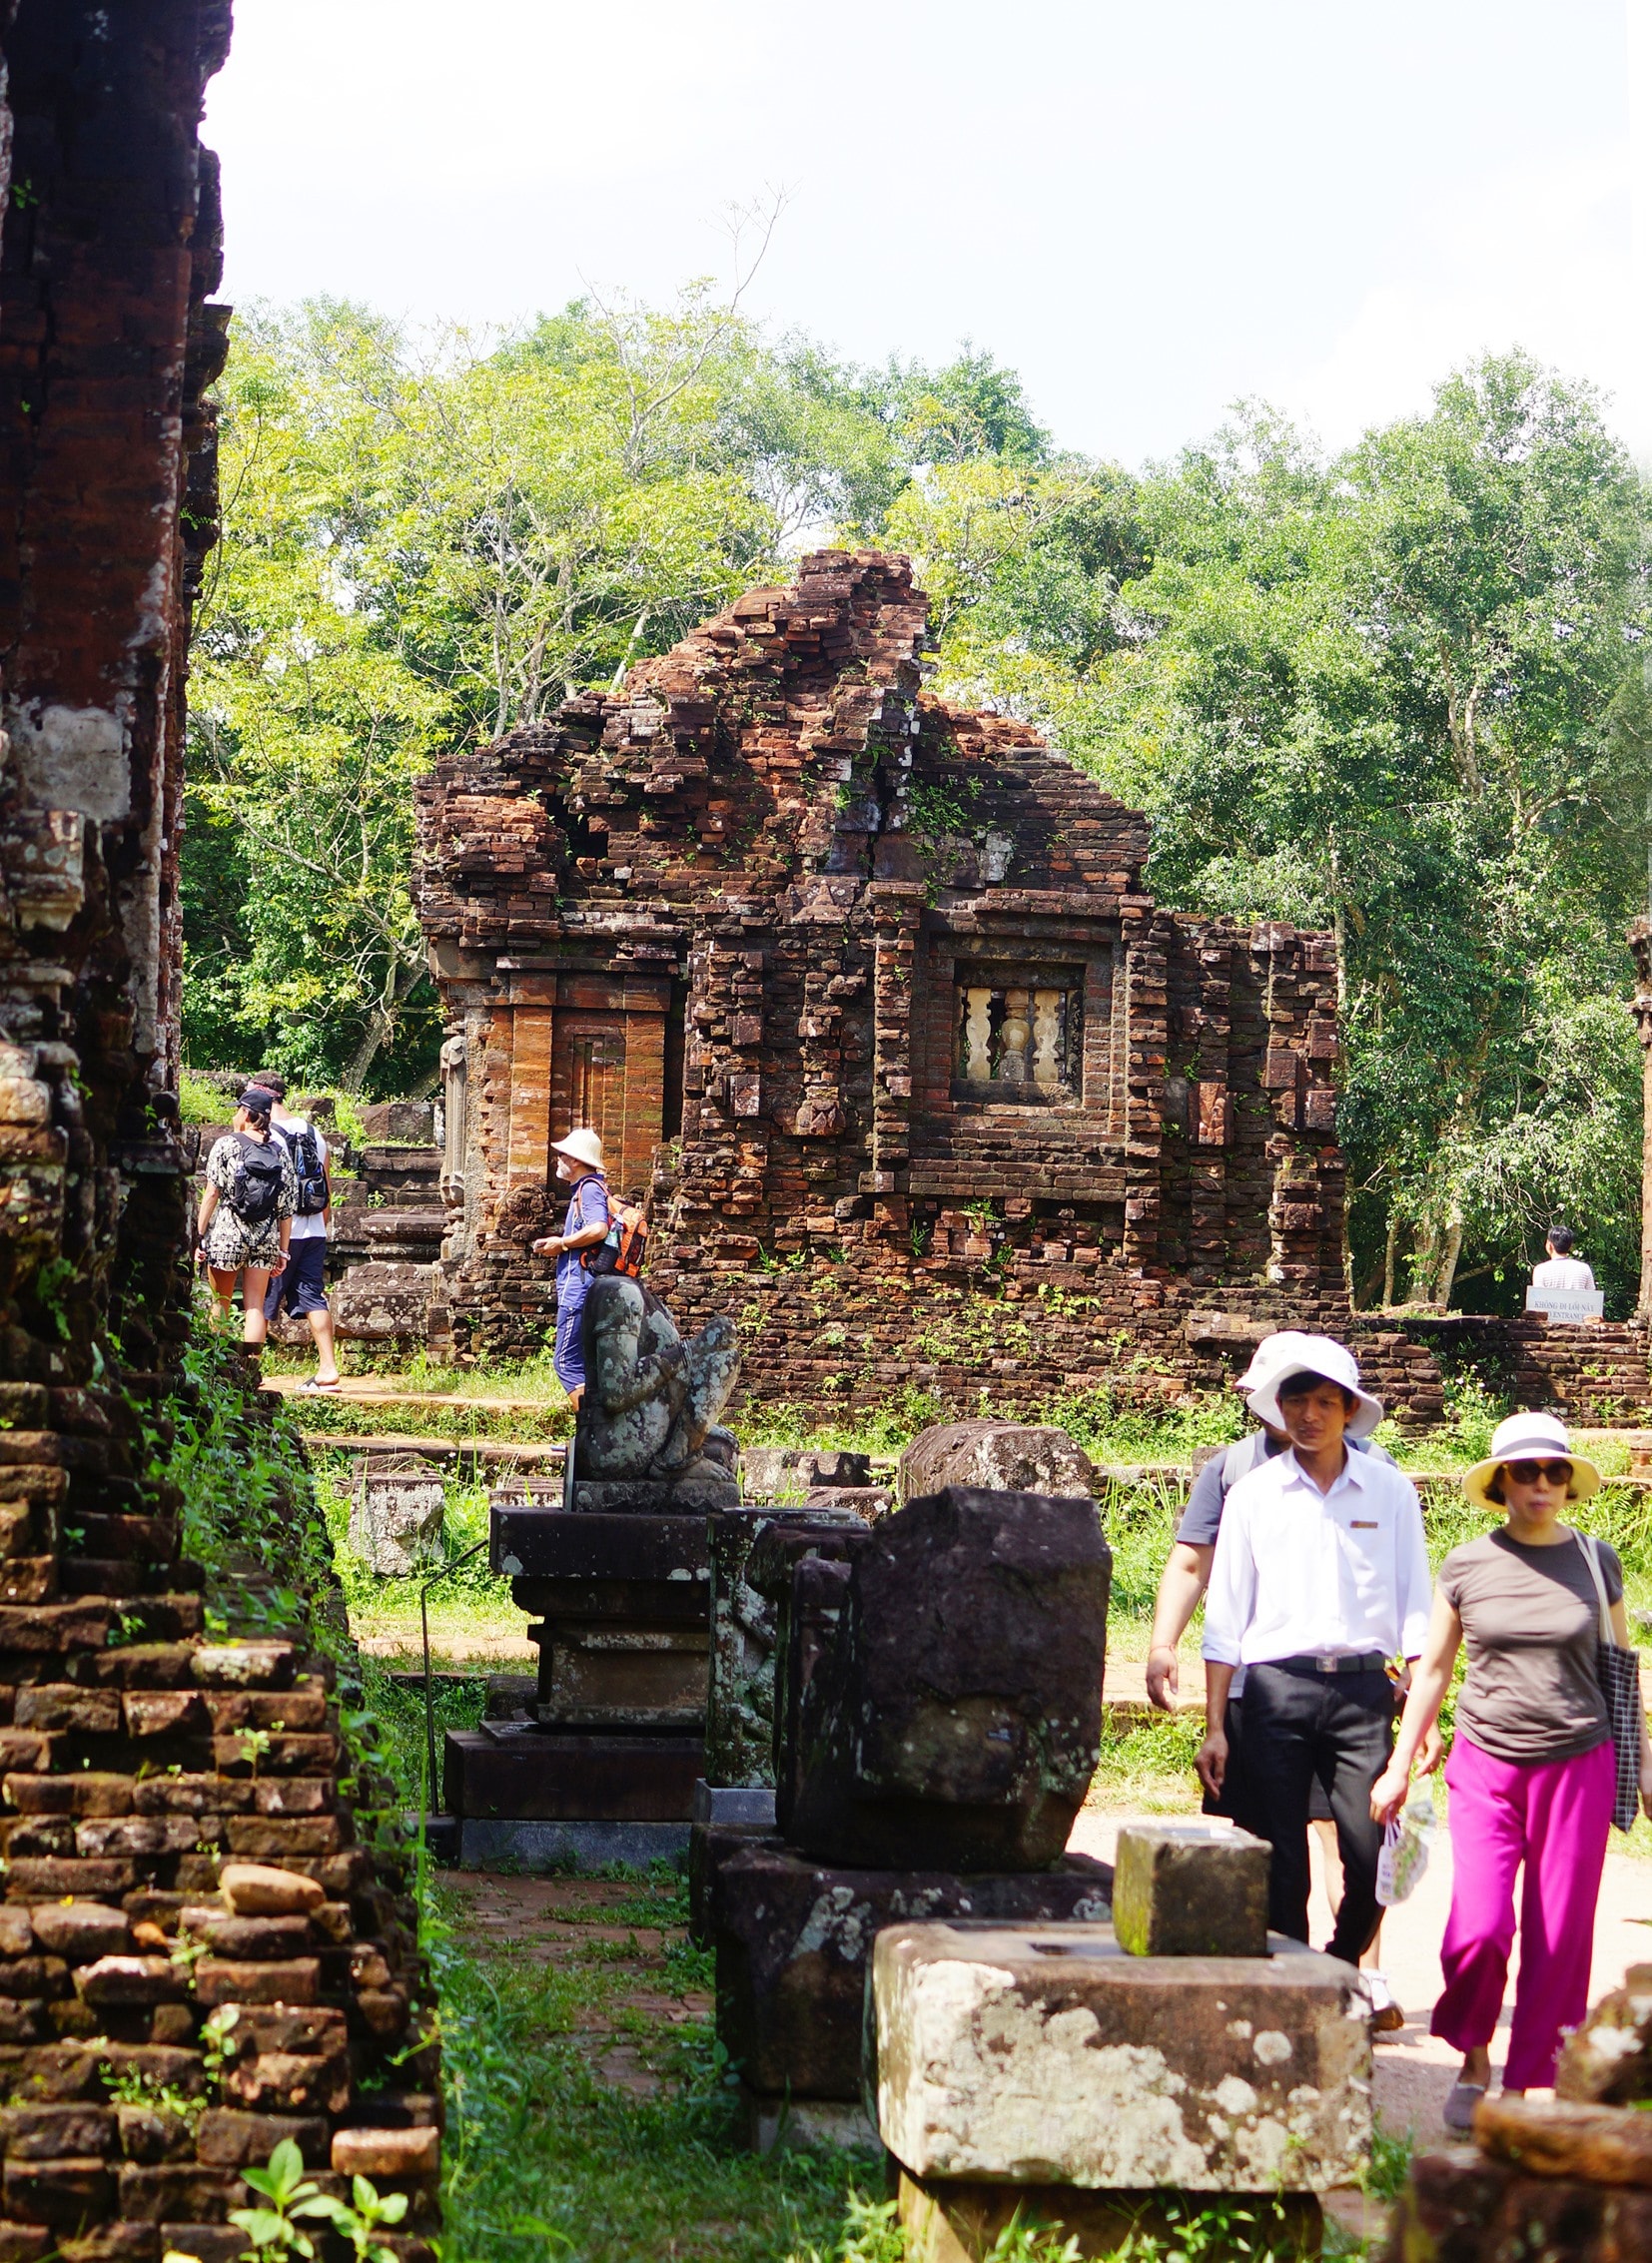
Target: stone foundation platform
column 952, row 2222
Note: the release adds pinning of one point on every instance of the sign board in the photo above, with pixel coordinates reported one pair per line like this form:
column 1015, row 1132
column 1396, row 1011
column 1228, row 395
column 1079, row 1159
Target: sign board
column 1566, row 1307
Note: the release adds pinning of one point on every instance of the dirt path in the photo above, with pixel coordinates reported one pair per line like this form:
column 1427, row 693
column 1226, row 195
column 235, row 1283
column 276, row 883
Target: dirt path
column 575, row 1923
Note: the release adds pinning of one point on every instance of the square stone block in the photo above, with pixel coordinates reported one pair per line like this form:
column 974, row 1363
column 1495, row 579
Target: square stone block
column 1191, row 1889
column 597, row 1675
column 793, row 1940
column 1048, row 2055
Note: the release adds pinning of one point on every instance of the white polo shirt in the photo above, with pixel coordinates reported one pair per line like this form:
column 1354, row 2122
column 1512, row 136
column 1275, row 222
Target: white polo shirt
column 1562, row 1272
column 1302, row 1573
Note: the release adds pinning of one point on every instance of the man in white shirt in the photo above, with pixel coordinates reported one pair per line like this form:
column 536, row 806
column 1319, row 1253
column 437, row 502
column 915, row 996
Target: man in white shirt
column 1321, row 1577
column 301, row 1284
column 1561, row 1270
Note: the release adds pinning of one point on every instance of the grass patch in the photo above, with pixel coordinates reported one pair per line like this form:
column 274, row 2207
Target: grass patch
column 542, row 2158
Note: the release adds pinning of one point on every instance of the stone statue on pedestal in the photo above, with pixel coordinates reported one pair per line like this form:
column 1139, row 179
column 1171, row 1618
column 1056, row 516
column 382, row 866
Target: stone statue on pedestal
column 646, row 1436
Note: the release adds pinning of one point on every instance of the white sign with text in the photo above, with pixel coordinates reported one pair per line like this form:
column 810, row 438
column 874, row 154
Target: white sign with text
column 1568, row 1307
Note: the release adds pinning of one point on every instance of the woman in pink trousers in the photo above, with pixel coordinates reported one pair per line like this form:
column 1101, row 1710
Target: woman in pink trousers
column 1532, row 1766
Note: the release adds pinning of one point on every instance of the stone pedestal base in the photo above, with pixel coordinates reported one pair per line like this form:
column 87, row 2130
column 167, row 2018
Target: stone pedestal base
column 947, row 2222
column 513, row 1770
column 793, row 1940
column 512, row 1841
column 1040, row 2056
column 804, row 2125
column 646, row 1496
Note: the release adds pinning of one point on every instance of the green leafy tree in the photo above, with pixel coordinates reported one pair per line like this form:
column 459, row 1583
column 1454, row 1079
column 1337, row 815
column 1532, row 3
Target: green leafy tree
column 427, row 542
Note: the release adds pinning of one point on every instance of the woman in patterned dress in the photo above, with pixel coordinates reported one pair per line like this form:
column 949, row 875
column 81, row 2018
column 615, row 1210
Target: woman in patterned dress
column 246, row 1211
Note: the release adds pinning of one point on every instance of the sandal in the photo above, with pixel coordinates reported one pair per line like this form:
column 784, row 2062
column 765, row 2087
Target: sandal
column 315, row 1384
column 1459, row 2112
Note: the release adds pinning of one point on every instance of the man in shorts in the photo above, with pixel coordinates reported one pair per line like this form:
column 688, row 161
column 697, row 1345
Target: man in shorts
column 300, row 1288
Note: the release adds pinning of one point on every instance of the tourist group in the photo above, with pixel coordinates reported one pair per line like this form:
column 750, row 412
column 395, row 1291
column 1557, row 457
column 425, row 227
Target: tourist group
column 1322, row 1624
column 264, row 1215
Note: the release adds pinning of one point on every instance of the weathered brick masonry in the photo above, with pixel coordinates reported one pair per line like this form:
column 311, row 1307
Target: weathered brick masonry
column 134, row 1753
column 869, row 996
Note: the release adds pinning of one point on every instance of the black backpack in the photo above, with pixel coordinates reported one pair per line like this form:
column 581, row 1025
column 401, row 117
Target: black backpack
column 255, row 1195
column 309, row 1168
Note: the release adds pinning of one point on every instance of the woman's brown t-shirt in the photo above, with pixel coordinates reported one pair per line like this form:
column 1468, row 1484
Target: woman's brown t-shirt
column 1530, row 1621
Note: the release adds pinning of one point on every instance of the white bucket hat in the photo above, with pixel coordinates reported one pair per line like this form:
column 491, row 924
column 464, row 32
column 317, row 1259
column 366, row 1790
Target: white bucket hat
column 1530, row 1437
column 583, row 1145
column 1315, row 1355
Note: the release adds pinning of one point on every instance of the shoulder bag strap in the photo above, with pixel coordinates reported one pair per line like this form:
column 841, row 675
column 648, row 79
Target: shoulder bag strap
column 1607, row 1636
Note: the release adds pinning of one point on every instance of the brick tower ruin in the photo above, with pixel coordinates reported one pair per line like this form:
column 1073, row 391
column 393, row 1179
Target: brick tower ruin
column 867, row 996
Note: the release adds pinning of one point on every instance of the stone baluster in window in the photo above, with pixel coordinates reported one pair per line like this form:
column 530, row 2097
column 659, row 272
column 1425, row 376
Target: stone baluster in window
column 1046, row 1036
column 1014, row 1033
column 977, row 1062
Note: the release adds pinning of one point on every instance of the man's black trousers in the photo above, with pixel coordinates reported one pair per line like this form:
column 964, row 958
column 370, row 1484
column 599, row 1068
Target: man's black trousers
column 1339, row 1726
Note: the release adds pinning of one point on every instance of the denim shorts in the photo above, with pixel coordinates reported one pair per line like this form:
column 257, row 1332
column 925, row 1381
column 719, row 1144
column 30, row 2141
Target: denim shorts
column 300, row 1285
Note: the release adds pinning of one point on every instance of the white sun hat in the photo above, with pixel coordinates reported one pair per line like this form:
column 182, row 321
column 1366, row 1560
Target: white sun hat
column 582, row 1145
column 1317, row 1355
column 1530, row 1437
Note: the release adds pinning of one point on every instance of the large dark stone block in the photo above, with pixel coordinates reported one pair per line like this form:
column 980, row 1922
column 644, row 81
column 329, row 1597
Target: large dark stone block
column 509, row 1769
column 956, row 1722
column 793, row 1939
column 1459, row 2206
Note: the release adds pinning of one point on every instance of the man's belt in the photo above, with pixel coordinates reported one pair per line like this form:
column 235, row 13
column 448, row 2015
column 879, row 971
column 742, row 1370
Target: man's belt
column 1368, row 1662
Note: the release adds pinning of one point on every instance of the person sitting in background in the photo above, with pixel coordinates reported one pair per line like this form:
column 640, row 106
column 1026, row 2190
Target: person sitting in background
column 245, row 1217
column 1561, row 1269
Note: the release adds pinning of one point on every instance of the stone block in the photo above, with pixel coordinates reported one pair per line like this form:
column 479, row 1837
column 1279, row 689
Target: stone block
column 787, row 1473
column 947, row 2220
column 506, row 1768
column 1461, row 2206
column 751, row 1553
column 396, row 1514
column 647, row 1496
column 260, row 1889
column 601, row 1676
column 807, row 2126
column 1001, row 1457
column 1048, row 2056
column 1593, row 2144
column 80, row 1930
column 382, row 1300
column 956, row 1722
column 793, row 1940
column 1609, row 2060
column 1191, row 1889
column 399, row 1123
column 531, row 1541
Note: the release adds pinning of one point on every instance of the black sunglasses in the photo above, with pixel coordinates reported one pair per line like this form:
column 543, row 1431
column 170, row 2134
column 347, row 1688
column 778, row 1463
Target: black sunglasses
column 1528, row 1472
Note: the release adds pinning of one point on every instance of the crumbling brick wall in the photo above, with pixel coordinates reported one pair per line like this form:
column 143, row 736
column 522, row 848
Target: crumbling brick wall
column 136, row 1752
column 775, row 920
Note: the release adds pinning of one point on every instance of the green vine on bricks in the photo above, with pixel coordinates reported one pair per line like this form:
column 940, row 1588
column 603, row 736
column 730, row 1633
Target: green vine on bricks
column 47, row 1289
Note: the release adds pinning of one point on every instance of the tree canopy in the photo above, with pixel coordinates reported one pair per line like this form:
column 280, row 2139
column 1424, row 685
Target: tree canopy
column 1397, row 691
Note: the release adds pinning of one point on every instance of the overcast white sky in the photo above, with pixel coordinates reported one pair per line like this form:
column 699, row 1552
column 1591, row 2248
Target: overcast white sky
column 1148, row 209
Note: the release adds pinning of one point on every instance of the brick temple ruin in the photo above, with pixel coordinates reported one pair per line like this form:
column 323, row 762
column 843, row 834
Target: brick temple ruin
column 126, row 1730
column 868, row 997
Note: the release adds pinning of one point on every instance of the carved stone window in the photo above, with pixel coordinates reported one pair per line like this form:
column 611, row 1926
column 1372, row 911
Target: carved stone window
column 1018, row 1035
